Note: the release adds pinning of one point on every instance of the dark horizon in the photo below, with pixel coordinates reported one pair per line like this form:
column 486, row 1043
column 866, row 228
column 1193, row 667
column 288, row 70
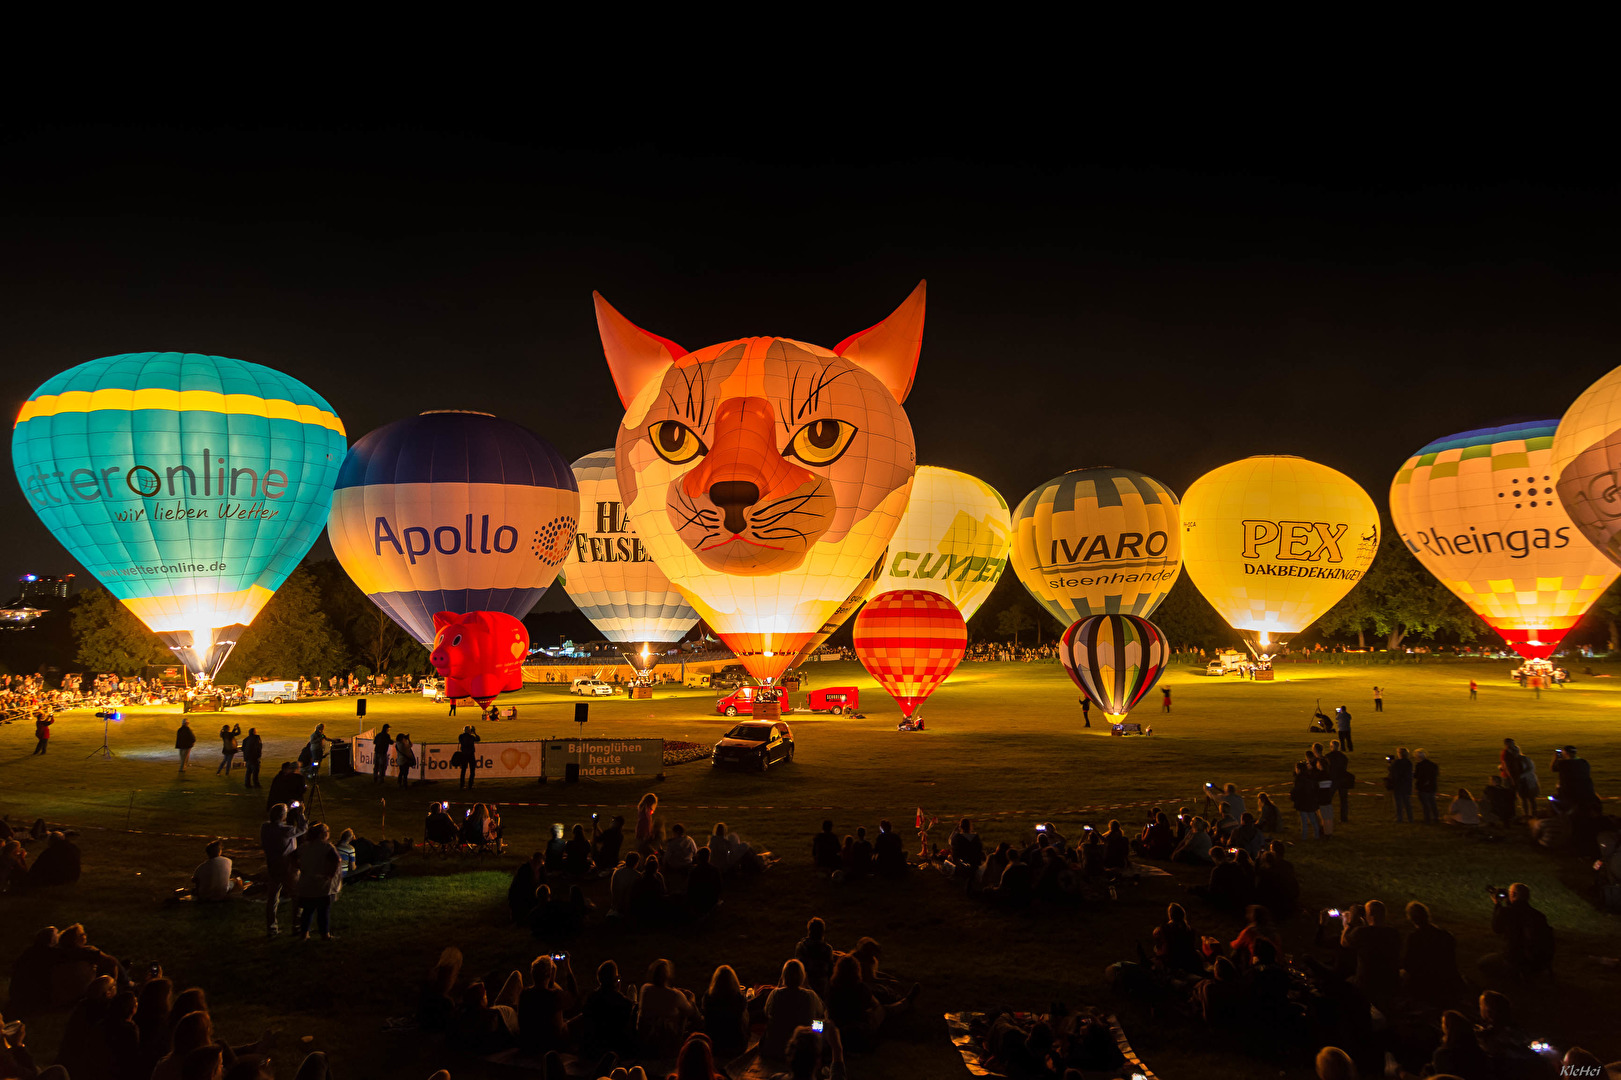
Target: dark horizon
column 1169, row 316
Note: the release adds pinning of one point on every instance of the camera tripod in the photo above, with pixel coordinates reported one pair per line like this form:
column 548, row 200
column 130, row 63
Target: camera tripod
column 103, row 751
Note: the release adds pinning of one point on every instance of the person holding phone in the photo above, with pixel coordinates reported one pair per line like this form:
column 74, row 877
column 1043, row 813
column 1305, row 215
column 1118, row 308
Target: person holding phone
column 791, row 1006
column 543, row 1007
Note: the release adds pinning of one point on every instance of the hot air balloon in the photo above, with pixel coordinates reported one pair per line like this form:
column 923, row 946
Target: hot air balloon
column 189, row 485
column 453, row 511
column 479, row 653
column 1585, row 464
column 609, row 575
column 1114, row 659
column 910, row 640
column 1095, row 541
column 1478, row 510
column 842, row 613
column 765, row 475
column 952, row 540
column 1274, row 541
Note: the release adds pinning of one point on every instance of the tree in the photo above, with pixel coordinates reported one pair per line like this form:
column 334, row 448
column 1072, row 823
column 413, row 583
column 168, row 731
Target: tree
column 1188, row 621
column 111, row 639
column 367, row 629
column 1398, row 597
column 291, row 637
column 1013, row 619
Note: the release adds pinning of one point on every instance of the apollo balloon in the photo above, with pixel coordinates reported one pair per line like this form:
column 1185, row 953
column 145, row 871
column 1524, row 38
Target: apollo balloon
column 1274, row 541
column 953, row 539
column 765, row 475
column 1585, row 464
column 610, row 575
column 189, row 485
column 1478, row 510
column 453, row 511
column 1098, row 541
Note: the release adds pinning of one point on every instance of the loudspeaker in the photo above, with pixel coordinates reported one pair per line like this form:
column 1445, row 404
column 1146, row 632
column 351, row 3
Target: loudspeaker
column 360, row 706
column 581, row 709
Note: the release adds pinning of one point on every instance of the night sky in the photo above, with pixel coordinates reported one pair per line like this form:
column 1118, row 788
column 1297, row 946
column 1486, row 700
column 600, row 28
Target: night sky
column 1167, row 308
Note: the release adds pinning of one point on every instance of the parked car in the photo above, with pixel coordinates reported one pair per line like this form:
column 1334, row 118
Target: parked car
column 835, row 699
column 741, row 701
column 590, row 688
column 756, row 744
column 729, row 677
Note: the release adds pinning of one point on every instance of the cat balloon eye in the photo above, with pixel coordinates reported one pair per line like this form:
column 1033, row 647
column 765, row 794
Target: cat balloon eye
column 821, row 442
column 675, row 442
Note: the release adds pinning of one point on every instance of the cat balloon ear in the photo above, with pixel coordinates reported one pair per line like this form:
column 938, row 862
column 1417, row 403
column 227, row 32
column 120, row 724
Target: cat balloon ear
column 635, row 357
column 890, row 349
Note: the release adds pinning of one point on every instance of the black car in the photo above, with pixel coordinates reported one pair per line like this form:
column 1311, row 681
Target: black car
column 755, row 744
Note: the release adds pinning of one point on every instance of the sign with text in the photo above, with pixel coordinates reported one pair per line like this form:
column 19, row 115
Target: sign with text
column 495, row 759
column 604, row 758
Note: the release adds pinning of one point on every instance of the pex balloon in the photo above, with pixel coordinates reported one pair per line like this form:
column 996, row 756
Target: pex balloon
column 189, row 485
column 1478, row 510
column 765, row 475
column 610, row 576
column 1585, row 464
column 1098, row 540
column 479, row 653
column 453, row 511
column 952, row 540
column 1114, row 659
column 910, row 640
column 1274, row 541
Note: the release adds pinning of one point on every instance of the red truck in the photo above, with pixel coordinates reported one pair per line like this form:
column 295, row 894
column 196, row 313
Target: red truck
column 835, row 699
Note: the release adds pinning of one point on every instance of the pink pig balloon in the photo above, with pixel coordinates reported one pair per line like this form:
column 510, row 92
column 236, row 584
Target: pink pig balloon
column 480, row 654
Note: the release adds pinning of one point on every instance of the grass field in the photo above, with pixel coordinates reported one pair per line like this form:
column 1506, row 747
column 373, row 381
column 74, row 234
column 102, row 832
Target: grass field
column 1004, row 746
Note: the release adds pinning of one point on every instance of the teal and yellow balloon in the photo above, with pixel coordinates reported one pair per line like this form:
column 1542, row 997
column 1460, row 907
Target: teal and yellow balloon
column 189, row 485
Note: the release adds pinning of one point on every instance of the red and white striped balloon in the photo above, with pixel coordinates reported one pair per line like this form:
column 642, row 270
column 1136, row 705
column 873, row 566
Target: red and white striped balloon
column 910, row 641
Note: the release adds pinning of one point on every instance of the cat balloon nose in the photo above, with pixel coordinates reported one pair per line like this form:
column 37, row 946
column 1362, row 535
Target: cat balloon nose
column 733, row 497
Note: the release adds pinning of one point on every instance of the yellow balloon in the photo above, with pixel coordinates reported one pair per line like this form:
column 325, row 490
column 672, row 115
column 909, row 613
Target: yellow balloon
column 952, row 540
column 1274, row 541
column 1585, row 463
column 1100, row 541
column 1478, row 510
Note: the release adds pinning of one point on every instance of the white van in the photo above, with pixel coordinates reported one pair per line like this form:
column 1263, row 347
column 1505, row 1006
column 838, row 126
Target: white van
column 590, row 687
column 275, row 690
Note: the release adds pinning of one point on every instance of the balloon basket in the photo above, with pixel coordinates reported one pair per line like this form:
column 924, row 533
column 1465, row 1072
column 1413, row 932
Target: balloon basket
column 1264, row 675
column 641, row 693
column 767, row 710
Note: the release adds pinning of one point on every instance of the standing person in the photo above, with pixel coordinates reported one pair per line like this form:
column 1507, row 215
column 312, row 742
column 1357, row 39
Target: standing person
column 1086, row 711
column 1303, row 794
column 1325, row 796
column 277, row 838
column 1165, row 698
column 184, row 740
column 380, row 745
column 452, row 706
column 1399, row 779
column 1574, row 788
column 1339, row 767
column 318, row 741
column 1342, row 727
column 1474, row 688
column 1378, row 700
column 647, row 841
column 1426, row 778
column 467, row 742
column 228, row 737
column 405, row 757
column 1528, row 788
column 42, row 732
column 319, row 879
column 253, row 751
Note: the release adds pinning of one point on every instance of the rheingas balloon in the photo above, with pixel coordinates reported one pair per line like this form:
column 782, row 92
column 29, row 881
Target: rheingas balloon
column 910, row 640
column 1479, row 510
column 610, row 575
column 453, row 511
column 765, row 475
column 189, row 485
column 479, row 653
column 952, row 540
column 1097, row 541
column 1114, row 659
column 1274, row 541
column 1585, row 463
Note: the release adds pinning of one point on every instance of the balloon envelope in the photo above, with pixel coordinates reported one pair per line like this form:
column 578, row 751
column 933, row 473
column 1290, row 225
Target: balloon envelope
column 910, row 640
column 1097, row 541
column 1478, row 510
column 1114, row 659
column 952, row 540
column 189, row 485
column 1585, row 463
column 610, row 575
column 1274, row 541
column 453, row 511
column 479, row 653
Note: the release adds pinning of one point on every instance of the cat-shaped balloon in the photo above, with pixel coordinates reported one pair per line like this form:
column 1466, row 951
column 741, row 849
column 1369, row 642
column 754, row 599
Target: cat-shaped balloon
column 765, row 475
column 480, row 654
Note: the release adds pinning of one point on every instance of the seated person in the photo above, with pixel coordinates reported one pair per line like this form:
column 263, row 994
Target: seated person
column 703, row 884
column 526, row 879
column 1501, row 802
column 679, row 850
column 825, row 849
column 577, row 854
column 212, row 879
column 1247, row 835
column 727, row 850
column 1230, row 883
column 346, row 853
column 608, row 1020
column 440, row 828
column 1195, row 847
column 58, row 864
column 1464, row 810
column 1157, row 840
column 889, row 853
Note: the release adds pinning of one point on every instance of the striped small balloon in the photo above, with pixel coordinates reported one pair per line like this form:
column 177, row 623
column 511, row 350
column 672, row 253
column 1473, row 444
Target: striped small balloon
column 910, row 641
column 1114, row 659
